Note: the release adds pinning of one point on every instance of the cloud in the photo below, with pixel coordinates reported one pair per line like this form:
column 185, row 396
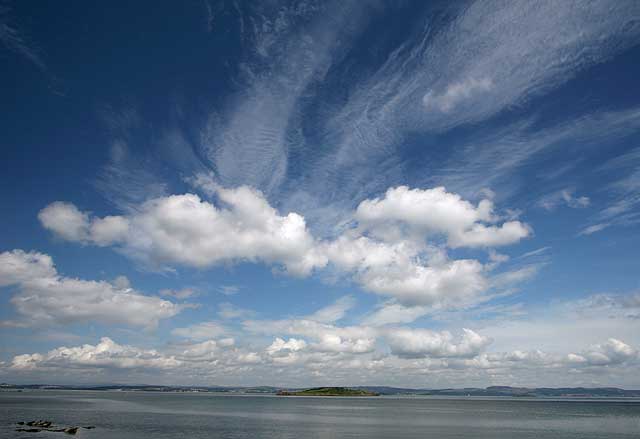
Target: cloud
column 106, row 354
column 498, row 59
column 325, row 337
column 504, row 63
column 291, row 345
column 405, row 270
column 417, row 343
column 387, row 251
column 205, row 351
column 395, row 259
column 515, row 36
column 288, row 51
column 391, row 313
column 194, row 359
column 436, row 211
column 492, row 158
column 622, row 209
column 575, row 202
column 44, row 297
column 18, row 266
column 320, row 329
column 611, row 352
column 333, row 342
column 200, row 331
column 536, row 252
column 590, row 230
column 457, row 93
column 229, row 290
column 286, row 352
column 68, row 223
column 399, row 356
column 403, row 342
column 65, row 220
column 229, row 311
column 583, row 322
column 122, row 282
column 186, row 230
column 515, row 276
column 13, row 39
column 613, row 306
column 130, row 178
column 184, row 293
column 566, row 197
column 507, row 59
column 205, row 182
column 283, row 62
column 334, row 312
column 457, row 281
column 183, row 229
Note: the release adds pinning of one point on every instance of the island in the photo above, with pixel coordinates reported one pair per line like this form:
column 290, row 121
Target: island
column 328, row 391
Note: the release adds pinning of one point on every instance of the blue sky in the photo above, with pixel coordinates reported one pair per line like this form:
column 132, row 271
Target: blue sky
column 417, row 194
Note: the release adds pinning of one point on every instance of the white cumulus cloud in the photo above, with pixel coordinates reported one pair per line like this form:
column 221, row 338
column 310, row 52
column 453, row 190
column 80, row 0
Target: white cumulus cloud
column 183, row 229
column 417, row 343
column 291, row 345
column 69, row 223
column 45, row 297
column 106, row 354
column 392, row 249
column 438, row 212
column 612, row 352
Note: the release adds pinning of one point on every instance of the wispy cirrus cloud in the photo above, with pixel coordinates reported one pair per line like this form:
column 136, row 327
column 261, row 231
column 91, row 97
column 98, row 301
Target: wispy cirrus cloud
column 287, row 135
column 201, row 331
column 228, row 290
column 466, row 77
column 288, row 51
column 14, row 39
column 453, row 65
column 564, row 197
column 623, row 208
column 497, row 156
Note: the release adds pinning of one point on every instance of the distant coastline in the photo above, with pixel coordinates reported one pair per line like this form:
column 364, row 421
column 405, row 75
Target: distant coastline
column 492, row 391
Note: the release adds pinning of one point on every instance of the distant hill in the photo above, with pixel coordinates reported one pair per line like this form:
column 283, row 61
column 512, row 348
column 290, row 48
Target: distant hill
column 542, row 392
column 328, row 391
column 507, row 391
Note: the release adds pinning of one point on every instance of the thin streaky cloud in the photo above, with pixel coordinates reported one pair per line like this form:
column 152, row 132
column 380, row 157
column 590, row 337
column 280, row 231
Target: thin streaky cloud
column 14, row 39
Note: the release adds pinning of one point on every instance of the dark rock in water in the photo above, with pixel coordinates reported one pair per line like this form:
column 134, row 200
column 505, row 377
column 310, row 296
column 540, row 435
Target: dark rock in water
column 49, row 426
column 40, row 423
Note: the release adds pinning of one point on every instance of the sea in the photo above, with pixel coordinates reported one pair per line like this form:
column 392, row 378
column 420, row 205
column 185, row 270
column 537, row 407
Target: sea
column 134, row 414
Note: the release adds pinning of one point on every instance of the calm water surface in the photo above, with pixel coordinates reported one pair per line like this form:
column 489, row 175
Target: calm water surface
column 126, row 415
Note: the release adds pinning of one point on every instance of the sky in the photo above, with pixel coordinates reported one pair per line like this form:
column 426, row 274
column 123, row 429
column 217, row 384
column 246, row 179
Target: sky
column 409, row 193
